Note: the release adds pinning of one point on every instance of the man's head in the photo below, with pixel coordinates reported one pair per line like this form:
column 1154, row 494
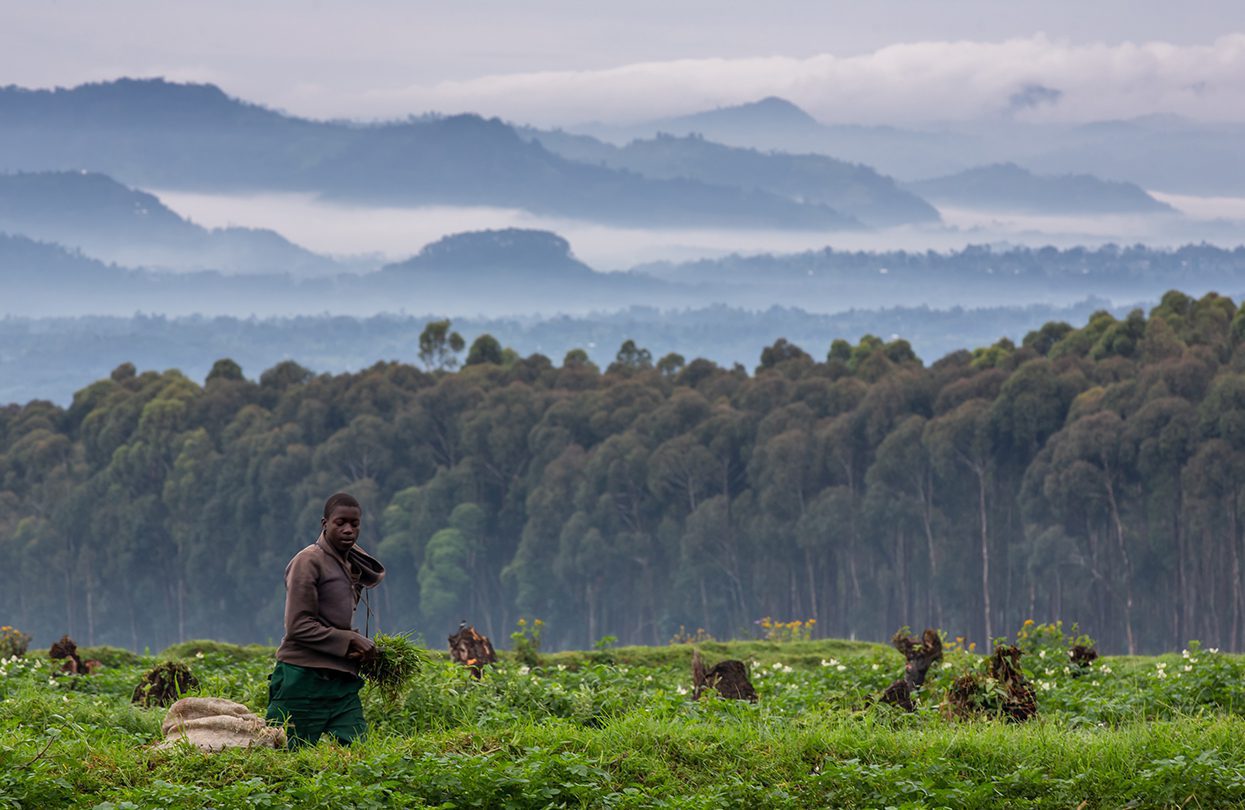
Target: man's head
column 341, row 522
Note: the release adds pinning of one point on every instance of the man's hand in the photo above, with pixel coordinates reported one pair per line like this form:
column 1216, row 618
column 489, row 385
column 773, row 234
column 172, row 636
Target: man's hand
column 360, row 649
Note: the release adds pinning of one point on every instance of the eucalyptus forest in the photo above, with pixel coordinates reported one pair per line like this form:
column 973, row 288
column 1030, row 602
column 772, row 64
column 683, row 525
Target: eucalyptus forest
column 1091, row 474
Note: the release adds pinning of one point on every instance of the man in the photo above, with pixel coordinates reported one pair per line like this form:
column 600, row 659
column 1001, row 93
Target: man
column 315, row 686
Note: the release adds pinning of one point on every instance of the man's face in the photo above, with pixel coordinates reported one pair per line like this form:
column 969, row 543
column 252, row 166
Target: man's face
column 341, row 528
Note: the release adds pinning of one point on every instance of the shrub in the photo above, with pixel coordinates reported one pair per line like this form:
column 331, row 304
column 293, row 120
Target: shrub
column 525, row 642
column 787, row 631
column 13, row 642
column 112, row 657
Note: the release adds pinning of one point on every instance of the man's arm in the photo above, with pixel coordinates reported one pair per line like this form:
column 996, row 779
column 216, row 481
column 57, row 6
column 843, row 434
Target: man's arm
column 302, row 611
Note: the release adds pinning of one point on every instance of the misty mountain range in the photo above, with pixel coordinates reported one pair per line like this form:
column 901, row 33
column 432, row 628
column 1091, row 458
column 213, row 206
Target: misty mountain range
column 157, row 134
column 514, row 272
column 1163, row 153
column 97, row 215
column 1007, row 187
column 855, row 189
column 80, row 237
column 152, row 133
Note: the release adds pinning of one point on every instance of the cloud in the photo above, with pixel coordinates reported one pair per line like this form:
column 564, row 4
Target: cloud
column 1035, row 78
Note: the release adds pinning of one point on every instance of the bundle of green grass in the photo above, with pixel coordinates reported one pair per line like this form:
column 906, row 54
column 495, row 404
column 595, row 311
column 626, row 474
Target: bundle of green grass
column 396, row 663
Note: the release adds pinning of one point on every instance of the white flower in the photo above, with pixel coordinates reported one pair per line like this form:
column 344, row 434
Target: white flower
column 1105, row 669
column 877, row 667
column 682, row 690
column 1067, row 670
column 1188, row 668
column 1160, row 674
column 561, row 667
column 946, row 665
column 1042, row 654
column 1046, row 685
column 777, row 665
column 524, row 670
column 1184, row 653
column 1048, row 671
column 648, row 678
column 199, row 654
column 1161, row 665
column 1213, row 651
column 51, row 682
column 1192, row 660
column 841, row 668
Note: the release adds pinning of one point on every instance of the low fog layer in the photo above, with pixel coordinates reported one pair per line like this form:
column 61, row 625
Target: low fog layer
column 53, row 358
column 395, row 233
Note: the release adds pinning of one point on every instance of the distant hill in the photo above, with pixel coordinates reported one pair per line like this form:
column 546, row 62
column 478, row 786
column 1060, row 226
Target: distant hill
column 775, row 123
column 853, row 189
column 23, row 259
column 768, row 116
column 514, row 270
column 508, row 272
column 152, row 133
column 523, row 254
column 1008, row 187
column 106, row 219
column 1164, row 153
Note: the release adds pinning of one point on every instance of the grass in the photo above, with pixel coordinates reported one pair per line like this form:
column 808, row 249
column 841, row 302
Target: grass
column 576, row 732
column 393, row 666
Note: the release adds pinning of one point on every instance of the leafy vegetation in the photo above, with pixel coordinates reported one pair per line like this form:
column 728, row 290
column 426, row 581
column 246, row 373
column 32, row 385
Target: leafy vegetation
column 396, row 662
column 1142, row 732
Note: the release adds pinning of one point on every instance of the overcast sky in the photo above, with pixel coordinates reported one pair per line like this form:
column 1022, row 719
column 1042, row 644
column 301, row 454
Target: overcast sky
column 569, row 61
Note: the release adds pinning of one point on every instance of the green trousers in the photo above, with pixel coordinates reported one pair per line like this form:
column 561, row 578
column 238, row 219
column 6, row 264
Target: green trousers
column 314, row 701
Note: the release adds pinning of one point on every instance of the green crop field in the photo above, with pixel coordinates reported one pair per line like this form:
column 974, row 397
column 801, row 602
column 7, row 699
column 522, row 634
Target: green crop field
column 618, row 728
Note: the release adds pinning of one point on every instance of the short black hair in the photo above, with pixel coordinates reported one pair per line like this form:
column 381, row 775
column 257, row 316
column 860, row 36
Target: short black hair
column 339, row 499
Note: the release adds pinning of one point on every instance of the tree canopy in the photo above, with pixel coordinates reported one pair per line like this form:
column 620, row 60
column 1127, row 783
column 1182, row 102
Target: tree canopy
column 1091, row 474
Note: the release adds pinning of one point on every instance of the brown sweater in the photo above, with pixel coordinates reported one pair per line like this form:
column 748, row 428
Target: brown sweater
column 321, row 592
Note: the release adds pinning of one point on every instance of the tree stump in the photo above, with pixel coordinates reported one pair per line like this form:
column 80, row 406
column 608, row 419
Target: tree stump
column 899, row 693
column 164, row 684
column 1081, row 657
column 729, row 678
column 1021, row 701
column 968, row 694
column 471, row 649
column 66, row 649
column 919, row 655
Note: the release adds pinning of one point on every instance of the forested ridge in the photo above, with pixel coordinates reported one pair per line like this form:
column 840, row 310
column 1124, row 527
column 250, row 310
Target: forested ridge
column 1091, row 474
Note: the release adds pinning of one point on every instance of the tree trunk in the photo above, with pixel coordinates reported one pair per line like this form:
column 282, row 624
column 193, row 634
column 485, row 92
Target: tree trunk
column 90, row 610
column 985, row 553
column 933, row 598
column 901, row 566
column 1128, row 568
column 812, row 583
column 1233, row 541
